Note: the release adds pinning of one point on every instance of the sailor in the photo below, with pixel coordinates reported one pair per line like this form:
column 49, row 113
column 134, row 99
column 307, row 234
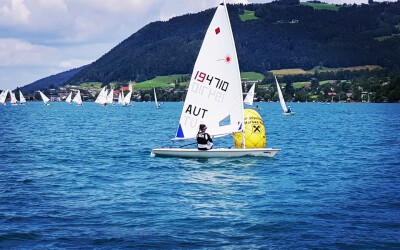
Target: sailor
column 204, row 140
column 289, row 110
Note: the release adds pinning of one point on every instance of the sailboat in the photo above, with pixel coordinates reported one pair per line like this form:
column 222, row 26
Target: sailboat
column 214, row 96
column 250, row 96
column 110, row 97
column 69, row 98
column 22, row 99
column 155, row 99
column 286, row 111
column 127, row 99
column 13, row 100
column 102, row 97
column 78, row 98
column 3, row 97
column 121, row 98
column 44, row 98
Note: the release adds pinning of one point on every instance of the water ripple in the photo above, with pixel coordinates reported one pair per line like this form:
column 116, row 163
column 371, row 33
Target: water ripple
column 82, row 178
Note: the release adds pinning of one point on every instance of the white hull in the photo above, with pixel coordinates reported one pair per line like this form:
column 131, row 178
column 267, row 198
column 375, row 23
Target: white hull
column 291, row 113
column 214, row 153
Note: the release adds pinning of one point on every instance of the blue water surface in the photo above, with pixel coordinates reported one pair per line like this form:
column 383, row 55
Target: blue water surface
column 82, row 178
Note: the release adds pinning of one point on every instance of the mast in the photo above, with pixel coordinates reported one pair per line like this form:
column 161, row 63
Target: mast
column 237, row 73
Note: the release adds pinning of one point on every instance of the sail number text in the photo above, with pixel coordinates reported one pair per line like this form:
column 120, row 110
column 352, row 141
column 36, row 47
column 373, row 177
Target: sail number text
column 219, row 83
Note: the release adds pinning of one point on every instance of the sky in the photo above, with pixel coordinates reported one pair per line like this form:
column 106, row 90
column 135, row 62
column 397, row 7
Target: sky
column 39, row 38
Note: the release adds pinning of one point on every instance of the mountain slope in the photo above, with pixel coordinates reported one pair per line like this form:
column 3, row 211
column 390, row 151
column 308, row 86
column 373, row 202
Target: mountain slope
column 51, row 81
column 283, row 34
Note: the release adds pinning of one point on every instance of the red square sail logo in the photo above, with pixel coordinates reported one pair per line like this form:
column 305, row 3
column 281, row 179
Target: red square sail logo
column 217, row 30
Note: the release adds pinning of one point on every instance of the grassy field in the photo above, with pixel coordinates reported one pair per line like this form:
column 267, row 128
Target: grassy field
column 283, row 72
column 89, row 85
column 248, row 16
column 322, row 6
column 96, row 85
column 161, row 82
column 298, row 85
column 383, row 38
column 252, row 76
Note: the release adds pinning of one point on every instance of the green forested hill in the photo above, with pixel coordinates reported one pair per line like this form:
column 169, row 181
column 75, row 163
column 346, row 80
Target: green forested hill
column 282, row 34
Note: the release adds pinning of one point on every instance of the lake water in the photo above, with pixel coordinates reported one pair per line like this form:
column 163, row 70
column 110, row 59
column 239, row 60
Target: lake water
column 82, row 178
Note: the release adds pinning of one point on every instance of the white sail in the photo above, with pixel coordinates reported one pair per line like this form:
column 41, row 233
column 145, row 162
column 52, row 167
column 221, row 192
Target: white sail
column 127, row 98
column 214, row 95
column 155, row 99
column 3, row 97
column 281, row 100
column 44, row 97
column 250, row 96
column 110, row 96
column 78, row 98
column 102, row 97
column 69, row 97
column 21, row 98
column 13, row 100
column 120, row 98
column 130, row 86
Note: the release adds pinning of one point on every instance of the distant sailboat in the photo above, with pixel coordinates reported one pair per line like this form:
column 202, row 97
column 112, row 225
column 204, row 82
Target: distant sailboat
column 13, row 100
column 110, row 97
column 45, row 99
column 22, row 99
column 286, row 111
column 250, row 96
column 69, row 98
column 155, row 99
column 78, row 98
column 127, row 99
column 102, row 97
column 3, row 97
column 121, row 98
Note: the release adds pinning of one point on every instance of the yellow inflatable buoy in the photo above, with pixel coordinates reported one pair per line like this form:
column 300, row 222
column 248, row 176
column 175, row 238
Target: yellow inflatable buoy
column 254, row 131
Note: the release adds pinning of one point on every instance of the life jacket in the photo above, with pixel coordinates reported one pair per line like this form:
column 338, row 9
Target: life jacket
column 202, row 138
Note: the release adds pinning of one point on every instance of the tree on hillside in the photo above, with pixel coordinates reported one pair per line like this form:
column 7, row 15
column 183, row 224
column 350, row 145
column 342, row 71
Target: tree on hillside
column 289, row 88
column 314, row 84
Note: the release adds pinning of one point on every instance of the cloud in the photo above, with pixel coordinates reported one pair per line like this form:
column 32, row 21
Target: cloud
column 46, row 37
column 14, row 52
column 13, row 13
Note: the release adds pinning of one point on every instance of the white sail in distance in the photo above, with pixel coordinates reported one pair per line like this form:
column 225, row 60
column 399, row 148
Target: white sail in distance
column 250, row 95
column 155, row 98
column 127, row 98
column 102, row 97
column 281, row 100
column 3, row 97
column 78, row 98
column 45, row 99
column 69, row 97
column 13, row 100
column 21, row 98
column 110, row 96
